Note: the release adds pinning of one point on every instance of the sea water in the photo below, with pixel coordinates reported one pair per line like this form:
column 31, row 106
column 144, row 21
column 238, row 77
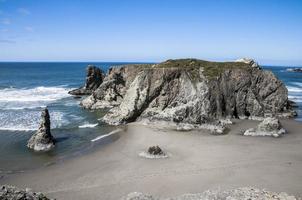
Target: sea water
column 26, row 88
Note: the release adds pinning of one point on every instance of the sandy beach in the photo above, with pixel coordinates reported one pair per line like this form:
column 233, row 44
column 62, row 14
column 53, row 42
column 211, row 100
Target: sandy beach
column 197, row 162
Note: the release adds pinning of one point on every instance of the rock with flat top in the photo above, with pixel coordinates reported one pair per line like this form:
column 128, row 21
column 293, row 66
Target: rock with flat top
column 42, row 140
column 189, row 91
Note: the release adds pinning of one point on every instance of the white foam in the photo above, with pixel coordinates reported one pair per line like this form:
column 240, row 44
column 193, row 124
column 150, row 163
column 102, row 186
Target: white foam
column 28, row 120
column 294, row 98
column 88, row 125
column 106, row 135
column 294, row 89
column 18, row 99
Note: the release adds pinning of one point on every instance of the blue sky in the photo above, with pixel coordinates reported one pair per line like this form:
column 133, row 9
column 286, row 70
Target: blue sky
column 151, row 30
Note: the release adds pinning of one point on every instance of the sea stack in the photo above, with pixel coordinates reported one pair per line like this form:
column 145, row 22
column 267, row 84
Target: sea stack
column 94, row 79
column 190, row 91
column 42, row 140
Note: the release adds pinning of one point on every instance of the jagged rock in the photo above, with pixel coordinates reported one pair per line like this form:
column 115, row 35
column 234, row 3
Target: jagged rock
column 155, row 150
column 294, row 69
column 249, row 61
column 42, row 140
column 245, row 193
column 268, row 127
column 94, row 79
column 188, row 91
column 8, row 192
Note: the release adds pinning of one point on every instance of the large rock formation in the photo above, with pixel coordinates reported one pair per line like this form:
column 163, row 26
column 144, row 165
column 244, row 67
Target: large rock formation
column 8, row 192
column 268, row 127
column 189, row 91
column 94, row 79
column 42, row 140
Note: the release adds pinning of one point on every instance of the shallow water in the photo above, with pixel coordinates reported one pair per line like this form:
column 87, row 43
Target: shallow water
column 25, row 88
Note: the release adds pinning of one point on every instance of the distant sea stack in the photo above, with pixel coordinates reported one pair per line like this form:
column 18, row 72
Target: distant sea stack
column 190, row 91
column 42, row 140
column 94, row 79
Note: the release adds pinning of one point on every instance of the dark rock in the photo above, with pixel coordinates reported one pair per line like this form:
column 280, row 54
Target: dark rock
column 189, row 91
column 94, row 79
column 42, row 140
column 294, row 70
column 8, row 192
column 155, row 150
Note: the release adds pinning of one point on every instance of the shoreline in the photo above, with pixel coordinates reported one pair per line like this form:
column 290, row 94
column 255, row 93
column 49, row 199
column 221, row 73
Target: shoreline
column 199, row 161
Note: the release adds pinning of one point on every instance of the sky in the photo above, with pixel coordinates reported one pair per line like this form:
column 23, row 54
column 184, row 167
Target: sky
column 269, row 31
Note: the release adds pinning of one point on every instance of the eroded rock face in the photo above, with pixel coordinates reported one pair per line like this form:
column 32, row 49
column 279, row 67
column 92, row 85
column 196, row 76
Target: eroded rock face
column 8, row 192
column 42, row 140
column 188, row 91
column 268, row 127
column 94, row 78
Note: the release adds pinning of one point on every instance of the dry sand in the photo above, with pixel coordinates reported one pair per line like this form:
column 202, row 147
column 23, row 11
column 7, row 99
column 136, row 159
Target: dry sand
column 198, row 161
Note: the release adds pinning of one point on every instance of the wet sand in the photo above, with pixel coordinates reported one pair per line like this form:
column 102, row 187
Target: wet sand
column 198, row 161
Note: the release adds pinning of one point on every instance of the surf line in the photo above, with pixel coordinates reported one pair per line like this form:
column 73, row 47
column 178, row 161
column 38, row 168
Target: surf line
column 106, row 135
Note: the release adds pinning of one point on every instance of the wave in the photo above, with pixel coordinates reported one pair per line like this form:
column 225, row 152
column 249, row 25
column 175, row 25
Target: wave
column 294, row 89
column 24, row 98
column 297, row 99
column 106, row 135
column 88, row 125
column 28, row 120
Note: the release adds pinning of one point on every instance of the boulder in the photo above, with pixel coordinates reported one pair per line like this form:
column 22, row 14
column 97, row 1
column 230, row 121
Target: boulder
column 8, row 192
column 155, row 150
column 42, row 140
column 189, row 91
column 94, row 78
column 268, row 127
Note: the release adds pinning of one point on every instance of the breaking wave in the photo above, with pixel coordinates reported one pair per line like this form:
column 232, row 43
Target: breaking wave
column 38, row 97
column 88, row 125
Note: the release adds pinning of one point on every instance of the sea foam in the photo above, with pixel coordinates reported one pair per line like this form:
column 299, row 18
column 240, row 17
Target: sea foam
column 38, row 97
column 87, row 125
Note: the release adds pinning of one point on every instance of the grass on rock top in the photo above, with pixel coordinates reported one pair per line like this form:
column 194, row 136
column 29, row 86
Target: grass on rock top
column 211, row 69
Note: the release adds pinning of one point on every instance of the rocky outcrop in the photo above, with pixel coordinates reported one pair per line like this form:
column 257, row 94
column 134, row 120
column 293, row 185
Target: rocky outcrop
column 249, row 61
column 268, row 127
column 247, row 193
column 294, row 70
column 94, row 79
column 8, row 192
column 189, row 91
column 42, row 140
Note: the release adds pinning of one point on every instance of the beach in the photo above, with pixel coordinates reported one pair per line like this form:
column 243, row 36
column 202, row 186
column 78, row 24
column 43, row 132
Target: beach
column 197, row 161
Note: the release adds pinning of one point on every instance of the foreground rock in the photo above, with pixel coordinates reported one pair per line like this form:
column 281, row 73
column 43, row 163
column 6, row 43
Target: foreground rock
column 189, row 91
column 8, row 192
column 42, row 140
column 268, row 127
column 294, row 70
column 155, row 150
column 94, row 78
column 246, row 193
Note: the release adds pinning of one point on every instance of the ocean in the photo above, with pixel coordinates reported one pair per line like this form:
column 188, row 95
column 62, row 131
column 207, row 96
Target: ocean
column 26, row 88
